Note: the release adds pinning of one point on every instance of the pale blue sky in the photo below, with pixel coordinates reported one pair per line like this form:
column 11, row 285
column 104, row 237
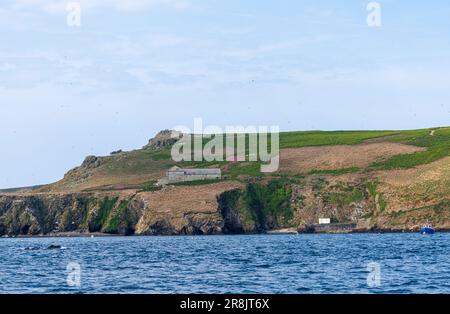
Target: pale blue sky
column 135, row 67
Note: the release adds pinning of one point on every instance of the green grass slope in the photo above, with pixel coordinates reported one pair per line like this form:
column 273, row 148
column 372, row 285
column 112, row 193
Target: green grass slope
column 143, row 165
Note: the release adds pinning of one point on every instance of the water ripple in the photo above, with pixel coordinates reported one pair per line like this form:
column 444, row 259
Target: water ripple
column 409, row 263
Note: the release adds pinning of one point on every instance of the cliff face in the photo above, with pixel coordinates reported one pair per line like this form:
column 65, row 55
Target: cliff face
column 203, row 210
column 171, row 211
column 220, row 208
column 56, row 213
column 165, row 138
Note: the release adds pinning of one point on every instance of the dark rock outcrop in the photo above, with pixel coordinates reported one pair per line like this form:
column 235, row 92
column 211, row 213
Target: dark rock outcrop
column 201, row 224
column 165, row 138
column 91, row 162
column 54, row 247
column 160, row 227
column 228, row 207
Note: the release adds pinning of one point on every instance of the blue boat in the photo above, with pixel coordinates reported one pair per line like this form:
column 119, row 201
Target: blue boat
column 427, row 229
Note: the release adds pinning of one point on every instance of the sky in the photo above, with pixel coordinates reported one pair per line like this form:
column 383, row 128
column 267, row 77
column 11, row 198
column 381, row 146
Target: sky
column 134, row 67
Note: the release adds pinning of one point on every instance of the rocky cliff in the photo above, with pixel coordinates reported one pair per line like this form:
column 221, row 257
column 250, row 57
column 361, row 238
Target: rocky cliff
column 220, row 208
column 362, row 181
column 171, row 211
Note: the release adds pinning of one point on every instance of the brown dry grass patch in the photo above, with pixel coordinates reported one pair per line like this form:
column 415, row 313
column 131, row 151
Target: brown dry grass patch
column 176, row 199
column 301, row 160
column 173, row 202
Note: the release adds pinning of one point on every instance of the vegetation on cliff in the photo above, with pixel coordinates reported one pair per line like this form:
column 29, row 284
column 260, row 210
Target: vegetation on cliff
column 378, row 179
column 257, row 208
column 436, row 142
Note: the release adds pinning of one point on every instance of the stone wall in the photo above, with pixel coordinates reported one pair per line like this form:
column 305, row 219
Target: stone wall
column 334, row 228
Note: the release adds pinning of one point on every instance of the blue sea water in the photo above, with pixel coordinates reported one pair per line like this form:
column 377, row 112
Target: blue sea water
column 404, row 263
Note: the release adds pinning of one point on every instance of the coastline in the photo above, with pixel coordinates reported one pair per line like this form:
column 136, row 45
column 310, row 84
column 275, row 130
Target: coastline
column 65, row 235
column 275, row 232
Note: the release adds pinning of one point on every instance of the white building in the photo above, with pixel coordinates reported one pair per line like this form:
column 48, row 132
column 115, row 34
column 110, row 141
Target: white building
column 176, row 174
column 324, row 221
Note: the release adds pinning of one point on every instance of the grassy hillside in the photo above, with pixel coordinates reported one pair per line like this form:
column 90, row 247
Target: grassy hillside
column 321, row 138
column 436, row 142
column 134, row 168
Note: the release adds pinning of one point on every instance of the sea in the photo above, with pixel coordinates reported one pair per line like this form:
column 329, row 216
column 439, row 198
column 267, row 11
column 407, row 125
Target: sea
column 249, row 264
